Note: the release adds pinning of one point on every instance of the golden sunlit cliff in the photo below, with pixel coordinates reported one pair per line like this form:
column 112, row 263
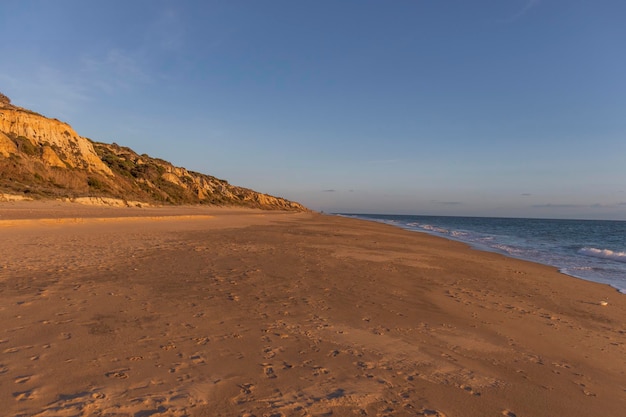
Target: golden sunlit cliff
column 46, row 158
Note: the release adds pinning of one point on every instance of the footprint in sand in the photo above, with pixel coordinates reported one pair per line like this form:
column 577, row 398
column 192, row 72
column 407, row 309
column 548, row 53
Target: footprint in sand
column 24, row 395
column 22, row 379
column 169, row 346
column 269, row 352
column 366, row 365
column 319, row 370
column 197, row 359
column 247, row 388
column 120, row 374
column 432, row 413
column 245, row 394
column 469, row 390
column 268, row 370
column 561, row 365
column 588, row 393
column 201, row 340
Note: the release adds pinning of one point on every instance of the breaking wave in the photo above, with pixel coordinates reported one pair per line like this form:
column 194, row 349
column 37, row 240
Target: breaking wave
column 604, row 253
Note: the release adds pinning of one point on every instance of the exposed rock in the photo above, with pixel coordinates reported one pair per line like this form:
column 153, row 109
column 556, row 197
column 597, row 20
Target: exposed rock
column 76, row 151
column 44, row 157
column 168, row 176
column 7, row 146
column 164, row 182
column 13, row 197
column 50, row 157
column 107, row 201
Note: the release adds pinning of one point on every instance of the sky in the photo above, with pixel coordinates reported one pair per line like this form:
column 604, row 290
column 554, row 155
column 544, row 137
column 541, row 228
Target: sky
column 513, row 108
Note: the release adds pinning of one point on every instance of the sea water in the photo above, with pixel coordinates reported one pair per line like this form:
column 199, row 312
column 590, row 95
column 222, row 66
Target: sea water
column 594, row 250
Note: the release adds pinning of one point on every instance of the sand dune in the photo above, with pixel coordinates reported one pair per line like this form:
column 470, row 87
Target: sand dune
column 205, row 312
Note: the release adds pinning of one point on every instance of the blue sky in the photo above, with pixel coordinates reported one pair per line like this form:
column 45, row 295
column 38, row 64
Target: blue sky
column 483, row 107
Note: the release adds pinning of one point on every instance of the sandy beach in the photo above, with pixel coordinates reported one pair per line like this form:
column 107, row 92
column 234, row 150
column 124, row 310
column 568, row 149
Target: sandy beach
column 197, row 311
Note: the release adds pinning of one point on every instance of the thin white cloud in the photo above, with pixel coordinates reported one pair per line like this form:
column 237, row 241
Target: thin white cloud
column 567, row 206
column 113, row 70
column 125, row 65
column 557, row 205
column 530, row 4
column 447, row 203
column 63, row 92
column 61, row 89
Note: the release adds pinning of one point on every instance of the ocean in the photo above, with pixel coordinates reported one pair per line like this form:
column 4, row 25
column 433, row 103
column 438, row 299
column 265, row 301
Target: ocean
column 594, row 250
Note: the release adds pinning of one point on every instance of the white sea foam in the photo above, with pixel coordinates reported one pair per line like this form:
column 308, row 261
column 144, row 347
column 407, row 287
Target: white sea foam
column 511, row 250
column 604, row 253
column 435, row 229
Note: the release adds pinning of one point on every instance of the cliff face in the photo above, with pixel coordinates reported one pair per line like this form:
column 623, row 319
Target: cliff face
column 44, row 157
column 55, row 137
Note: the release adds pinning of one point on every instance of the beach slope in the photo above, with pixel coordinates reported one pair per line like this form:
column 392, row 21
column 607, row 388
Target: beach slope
column 217, row 312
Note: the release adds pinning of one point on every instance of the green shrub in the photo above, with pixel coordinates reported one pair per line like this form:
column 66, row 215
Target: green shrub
column 24, row 145
column 95, row 183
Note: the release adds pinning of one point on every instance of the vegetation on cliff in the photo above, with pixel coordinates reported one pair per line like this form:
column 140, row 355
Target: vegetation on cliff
column 45, row 158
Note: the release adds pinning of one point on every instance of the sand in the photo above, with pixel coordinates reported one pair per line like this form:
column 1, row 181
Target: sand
column 219, row 312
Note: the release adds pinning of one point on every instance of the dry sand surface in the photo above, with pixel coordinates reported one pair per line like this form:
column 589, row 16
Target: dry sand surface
column 214, row 312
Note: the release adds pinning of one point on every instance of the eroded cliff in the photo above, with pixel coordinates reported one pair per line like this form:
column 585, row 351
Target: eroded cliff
column 45, row 157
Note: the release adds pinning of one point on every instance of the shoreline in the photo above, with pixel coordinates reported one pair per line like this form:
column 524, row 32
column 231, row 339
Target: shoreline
column 486, row 248
column 254, row 313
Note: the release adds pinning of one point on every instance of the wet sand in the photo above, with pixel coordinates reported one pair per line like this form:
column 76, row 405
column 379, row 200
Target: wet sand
column 219, row 312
